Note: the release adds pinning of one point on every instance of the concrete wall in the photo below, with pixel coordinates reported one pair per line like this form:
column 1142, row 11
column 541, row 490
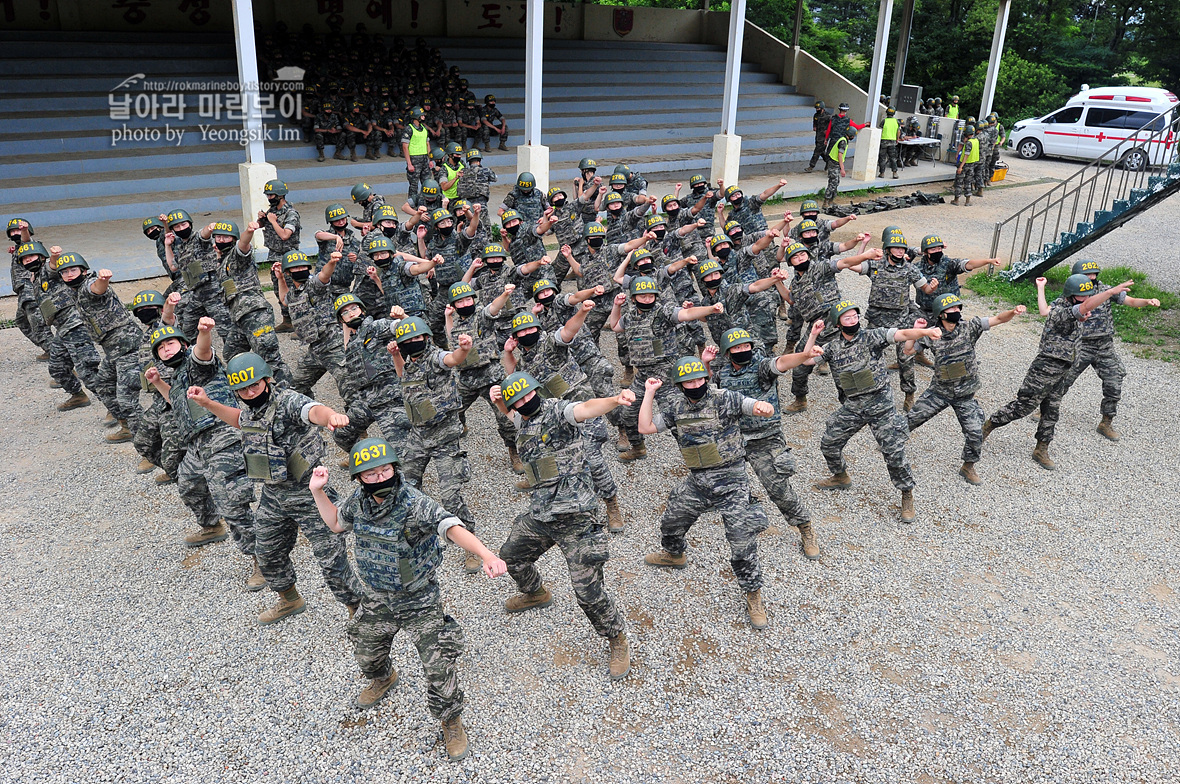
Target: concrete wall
column 614, row 23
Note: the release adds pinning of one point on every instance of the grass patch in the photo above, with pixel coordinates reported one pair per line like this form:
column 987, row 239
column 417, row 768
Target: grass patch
column 1153, row 332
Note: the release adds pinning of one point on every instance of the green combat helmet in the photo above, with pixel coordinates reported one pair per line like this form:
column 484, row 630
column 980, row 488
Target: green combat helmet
column 454, row 148
column 295, row 258
column 178, row 216
column 931, row 241
column 1078, row 286
column 148, row 298
column 246, row 369
column 275, row 188
column 1085, row 267
column 517, row 386
column 410, row 328
column 509, row 215
column 522, row 321
column 474, row 154
column 460, row 291
column 543, row 284
column 335, row 212
column 643, row 284
column 587, row 163
column 361, row 191
column 688, row 368
column 225, row 229
column 35, row 248
column 430, row 188
column 735, row 337
column 526, row 181
column 809, row 209
column 343, row 301
column 370, row 453
column 895, row 240
column 68, row 260
column 946, row 302
column 840, row 308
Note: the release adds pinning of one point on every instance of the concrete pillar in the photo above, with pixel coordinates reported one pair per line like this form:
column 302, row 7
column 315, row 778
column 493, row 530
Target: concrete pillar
column 993, row 63
column 877, row 74
column 903, row 48
column 254, row 173
column 532, row 156
column 727, row 145
column 863, row 166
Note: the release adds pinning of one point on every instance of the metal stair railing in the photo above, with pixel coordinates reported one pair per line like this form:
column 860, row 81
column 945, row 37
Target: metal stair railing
column 1096, row 193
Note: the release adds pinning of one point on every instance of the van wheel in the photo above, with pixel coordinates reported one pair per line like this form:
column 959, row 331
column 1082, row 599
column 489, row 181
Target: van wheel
column 1029, row 149
column 1135, row 160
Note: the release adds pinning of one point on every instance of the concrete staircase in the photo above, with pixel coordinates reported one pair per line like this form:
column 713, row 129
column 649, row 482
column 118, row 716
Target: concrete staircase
column 654, row 106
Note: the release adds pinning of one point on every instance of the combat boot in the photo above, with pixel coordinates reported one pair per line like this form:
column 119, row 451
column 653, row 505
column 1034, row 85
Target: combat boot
column 120, row 436
column 290, row 603
column 620, row 656
column 799, row 404
column 979, row 193
column 319, row 154
column 503, row 146
column 895, row 175
column 955, row 201
column 522, row 484
column 1106, row 428
column 807, row 541
column 207, row 535
column 822, row 368
column 988, row 427
column 755, row 609
column 487, row 147
column 43, row 356
column 921, row 359
column 455, row 739
column 624, row 443
column 164, row 478
column 352, row 154
column 375, row 691
column 614, row 518
column 514, row 456
column 145, row 466
column 908, row 403
column 53, row 384
column 835, row 482
column 809, row 169
column 967, row 200
column 255, row 582
column 907, row 506
column 637, row 452
column 79, row 400
column 109, row 420
column 286, row 326
column 527, row 601
column 968, row 473
column 666, row 560
column 472, row 563
column 628, row 375
column 1041, row 455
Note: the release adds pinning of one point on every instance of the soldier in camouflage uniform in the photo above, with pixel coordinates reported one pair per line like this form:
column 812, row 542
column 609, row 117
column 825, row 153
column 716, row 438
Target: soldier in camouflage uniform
column 956, row 376
column 28, row 317
column 705, row 205
column 328, row 129
column 450, row 122
column 311, row 311
column 339, row 237
column 525, row 199
column 399, row 273
column 969, row 155
column 737, row 298
column 987, row 144
column 281, row 443
column 567, row 228
column 454, row 248
column 475, row 181
column 30, row 258
column 748, row 265
column 820, row 122
column 1043, row 384
column 491, row 121
column 747, row 210
column 563, row 509
column 399, row 531
column 280, row 234
column 196, row 258
column 744, row 369
column 156, row 439
column 113, row 327
column 469, row 123
column 647, row 319
column 370, row 202
column 358, row 127
column 430, row 387
column 1096, row 348
column 554, row 309
column 594, row 264
column 837, row 151
column 935, row 265
column 211, row 478
column 855, row 359
column 707, row 425
column 998, row 145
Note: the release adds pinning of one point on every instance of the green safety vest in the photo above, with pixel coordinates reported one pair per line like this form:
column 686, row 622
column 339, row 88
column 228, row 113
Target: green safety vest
column 838, row 150
column 953, row 111
column 419, row 141
column 889, row 128
column 453, row 191
column 971, row 151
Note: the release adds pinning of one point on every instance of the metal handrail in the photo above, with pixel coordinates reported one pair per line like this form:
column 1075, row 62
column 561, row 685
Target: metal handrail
column 1106, row 179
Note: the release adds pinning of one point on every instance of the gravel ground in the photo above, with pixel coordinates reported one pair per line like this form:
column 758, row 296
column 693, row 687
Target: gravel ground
column 1025, row 630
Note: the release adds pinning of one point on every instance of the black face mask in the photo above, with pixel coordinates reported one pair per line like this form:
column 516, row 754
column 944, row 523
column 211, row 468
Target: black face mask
column 644, row 306
column 33, row 264
column 383, row 263
column 153, row 234
column 614, row 212
column 672, row 212
column 273, row 201
column 338, row 229
column 952, row 318
column 530, row 406
column 414, row 348
column 389, row 231
column 713, row 285
column 695, row 393
column 595, row 242
column 545, row 303
column 381, row 490
column 896, row 259
column 741, row 357
column 76, row 282
column 660, row 233
column 184, row 233
column 529, row 340
column 176, row 359
column 802, row 266
column 466, row 310
column 934, row 256
column 557, row 204
column 699, row 191
column 809, row 241
column 512, row 230
column 300, row 276
column 850, row 331
column 813, row 216
column 496, row 266
column 736, row 237
column 147, row 315
column 223, row 247
column 644, row 269
column 446, row 230
column 737, row 203
column 260, row 400
column 723, row 253
column 356, row 322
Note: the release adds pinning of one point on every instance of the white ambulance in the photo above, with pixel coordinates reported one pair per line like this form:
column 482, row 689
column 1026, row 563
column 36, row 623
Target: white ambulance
column 1095, row 120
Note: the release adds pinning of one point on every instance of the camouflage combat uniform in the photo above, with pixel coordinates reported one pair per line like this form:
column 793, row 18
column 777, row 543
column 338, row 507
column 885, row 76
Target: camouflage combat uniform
column 648, row 335
column 481, row 370
column 287, row 217
column 249, row 309
column 113, row 327
column 813, row 292
column 954, row 384
column 28, row 317
column 475, row 184
column 1096, row 349
column 529, row 204
column 332, row 133
column 947, row 271
column 200, row 270
column 72, row 349
column 315, row 324
column 890, row 306
column 494, row 116
column 157, row 438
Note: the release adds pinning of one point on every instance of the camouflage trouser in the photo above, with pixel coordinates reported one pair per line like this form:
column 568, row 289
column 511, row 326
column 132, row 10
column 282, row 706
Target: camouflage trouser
column 910, row 154
column 622, row 347
column 208, row 302
column 690, row 335
column 992, row 161
column 983, row 169
column 32, row 326
column 215, row 466
column 819, row 153
column 762, row 309
column 726, row 490
column 601, row 374
column 120, row 374
column 390, row 416
column 965, row 180
column 322, row 139
column 594, row 435
column 794, row 326
column 887, row 156
column 474, row 385
column 414, row 178
column 435, row 634
column 597, row 318
column 484, row 135
column 440, row 443
column 374, row 141
column 84, row 356
column 1100, row 355
column 274, row 282
column 283, row 511
column 148, row 440
column 61, row 366
column 889, row 427
column 317, row 360
column 901, row 319
column 1043, row 387
column 800, row 374
column 199, row 502
column 833, row 180
column 968, row 411
column 629, row 415
column 259, row 328
column 582, row 539
column 771, row 460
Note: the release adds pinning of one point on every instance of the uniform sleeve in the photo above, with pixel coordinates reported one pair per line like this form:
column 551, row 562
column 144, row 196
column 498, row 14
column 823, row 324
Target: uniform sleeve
column 868, row 266
column 661, row 422
column 1121, row 299
column 346, row 512
column 915, row 275
column 430, row 517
